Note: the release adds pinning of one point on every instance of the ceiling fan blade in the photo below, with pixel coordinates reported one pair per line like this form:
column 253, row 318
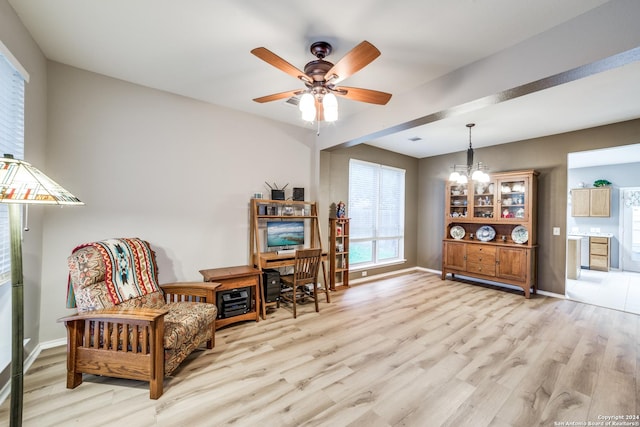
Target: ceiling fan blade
column 353, row 61
column 273, row 59
column 363, row 95
column 276, row 96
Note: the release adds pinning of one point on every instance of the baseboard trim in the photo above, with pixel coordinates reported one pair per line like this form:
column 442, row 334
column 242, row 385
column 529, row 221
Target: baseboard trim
column 551, row 294
column 381, row 276
column 6, row 389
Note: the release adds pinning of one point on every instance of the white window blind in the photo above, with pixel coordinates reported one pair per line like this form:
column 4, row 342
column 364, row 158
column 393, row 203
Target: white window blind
column 376, row 209
column 11, row 142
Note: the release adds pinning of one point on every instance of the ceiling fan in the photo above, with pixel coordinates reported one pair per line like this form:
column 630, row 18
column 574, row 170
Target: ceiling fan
column 321, row 78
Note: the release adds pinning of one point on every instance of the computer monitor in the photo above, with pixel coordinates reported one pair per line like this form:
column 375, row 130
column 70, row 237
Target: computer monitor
column 285, row 234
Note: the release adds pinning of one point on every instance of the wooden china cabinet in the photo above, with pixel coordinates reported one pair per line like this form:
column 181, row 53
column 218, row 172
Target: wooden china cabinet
column 490, row 230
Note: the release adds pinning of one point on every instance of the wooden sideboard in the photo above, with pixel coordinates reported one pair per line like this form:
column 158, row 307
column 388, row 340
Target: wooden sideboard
column 484, row 226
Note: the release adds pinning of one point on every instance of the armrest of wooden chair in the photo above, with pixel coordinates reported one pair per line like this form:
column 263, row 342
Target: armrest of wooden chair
column 118, row 342
column 191, row 291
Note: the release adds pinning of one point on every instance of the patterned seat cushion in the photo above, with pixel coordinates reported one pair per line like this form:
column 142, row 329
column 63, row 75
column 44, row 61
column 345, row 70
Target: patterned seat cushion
column 185, row 320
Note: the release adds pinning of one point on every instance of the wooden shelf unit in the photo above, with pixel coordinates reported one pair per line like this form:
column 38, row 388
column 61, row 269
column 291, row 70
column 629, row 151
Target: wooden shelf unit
column 504, row 203
column 338, row 252
column 263, row 210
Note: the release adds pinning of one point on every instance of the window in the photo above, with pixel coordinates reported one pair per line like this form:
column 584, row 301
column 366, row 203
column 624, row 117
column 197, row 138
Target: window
column 11, row 142
column 376, row 209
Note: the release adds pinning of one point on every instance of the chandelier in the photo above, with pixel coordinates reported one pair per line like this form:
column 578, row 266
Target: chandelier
column 462, row 173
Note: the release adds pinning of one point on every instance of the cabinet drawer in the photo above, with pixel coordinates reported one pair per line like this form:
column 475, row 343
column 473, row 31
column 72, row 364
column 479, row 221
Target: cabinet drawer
column 598, row 249
column 237, row 282
column 488, row 269
column 597, row 262
column 481, row 254
column 602, row 240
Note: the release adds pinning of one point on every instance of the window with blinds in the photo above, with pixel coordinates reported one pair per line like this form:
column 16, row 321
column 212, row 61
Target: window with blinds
column 376, row 209
column 11, row 142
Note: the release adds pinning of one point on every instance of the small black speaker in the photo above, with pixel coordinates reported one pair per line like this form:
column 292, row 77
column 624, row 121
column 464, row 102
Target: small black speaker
column 298, row 194
column 277, row 194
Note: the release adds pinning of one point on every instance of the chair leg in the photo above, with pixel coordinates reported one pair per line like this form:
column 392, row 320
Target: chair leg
column 212, row 342
column 74, row 340
column 295, row 297
column 315, row 295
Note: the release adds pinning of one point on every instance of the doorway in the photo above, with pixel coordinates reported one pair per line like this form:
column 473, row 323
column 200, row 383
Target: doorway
column 619, row 287
column 630, row 229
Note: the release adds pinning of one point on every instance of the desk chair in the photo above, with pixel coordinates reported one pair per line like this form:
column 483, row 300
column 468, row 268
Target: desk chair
column 305, row 272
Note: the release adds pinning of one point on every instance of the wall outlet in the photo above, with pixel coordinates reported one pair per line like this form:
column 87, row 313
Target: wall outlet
column 364, row 274
column 556, row 231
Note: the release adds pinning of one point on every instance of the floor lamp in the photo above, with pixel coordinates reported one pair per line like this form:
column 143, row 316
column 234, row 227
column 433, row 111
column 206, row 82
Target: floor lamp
column 21, row 183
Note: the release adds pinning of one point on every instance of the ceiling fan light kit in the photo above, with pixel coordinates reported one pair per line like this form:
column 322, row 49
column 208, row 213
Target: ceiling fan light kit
column 476, row 172
column 318, row 101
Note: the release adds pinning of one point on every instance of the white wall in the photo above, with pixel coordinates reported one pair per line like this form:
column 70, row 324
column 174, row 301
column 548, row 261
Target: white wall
column 174, row 171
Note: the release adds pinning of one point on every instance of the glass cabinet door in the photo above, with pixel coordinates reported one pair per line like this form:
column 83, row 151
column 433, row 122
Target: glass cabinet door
column 457, row 196
column 513, row 198
column 484, row 200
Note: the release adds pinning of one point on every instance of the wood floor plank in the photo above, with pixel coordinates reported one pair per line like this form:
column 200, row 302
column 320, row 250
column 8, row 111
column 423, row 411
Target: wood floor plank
column 408, row 350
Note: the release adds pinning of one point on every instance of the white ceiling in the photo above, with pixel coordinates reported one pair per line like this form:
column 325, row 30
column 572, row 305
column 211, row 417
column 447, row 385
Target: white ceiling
column 201, row 49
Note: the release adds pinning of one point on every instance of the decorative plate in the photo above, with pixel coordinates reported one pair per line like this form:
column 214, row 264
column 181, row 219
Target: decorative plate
column 486, row 233
column 457, row 232
column 520, row 234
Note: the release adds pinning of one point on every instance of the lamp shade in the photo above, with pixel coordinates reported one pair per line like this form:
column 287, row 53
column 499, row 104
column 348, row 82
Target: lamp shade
column 307, row 106
column 330, row 107
column 22, row 183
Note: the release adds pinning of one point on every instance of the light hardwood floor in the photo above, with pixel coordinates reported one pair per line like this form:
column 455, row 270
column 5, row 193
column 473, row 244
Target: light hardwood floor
column 412, row 350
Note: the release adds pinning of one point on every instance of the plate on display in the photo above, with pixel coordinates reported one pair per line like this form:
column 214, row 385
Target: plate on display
column 520, row 234
column 457, row 232
column 486, row 233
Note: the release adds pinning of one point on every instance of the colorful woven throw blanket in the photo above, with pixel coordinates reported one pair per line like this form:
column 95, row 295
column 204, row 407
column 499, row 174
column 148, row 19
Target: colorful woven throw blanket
column 130, row 270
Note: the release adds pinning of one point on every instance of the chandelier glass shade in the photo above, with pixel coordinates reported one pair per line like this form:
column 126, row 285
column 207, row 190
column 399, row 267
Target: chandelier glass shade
column 461, row 174
column 327, row 100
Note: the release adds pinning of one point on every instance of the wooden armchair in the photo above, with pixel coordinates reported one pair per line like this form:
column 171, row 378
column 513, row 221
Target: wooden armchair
column 127, row 326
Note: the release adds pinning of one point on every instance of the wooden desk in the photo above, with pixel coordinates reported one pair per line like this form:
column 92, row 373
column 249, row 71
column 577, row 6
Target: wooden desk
column 274, row 260
column 232, row 278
